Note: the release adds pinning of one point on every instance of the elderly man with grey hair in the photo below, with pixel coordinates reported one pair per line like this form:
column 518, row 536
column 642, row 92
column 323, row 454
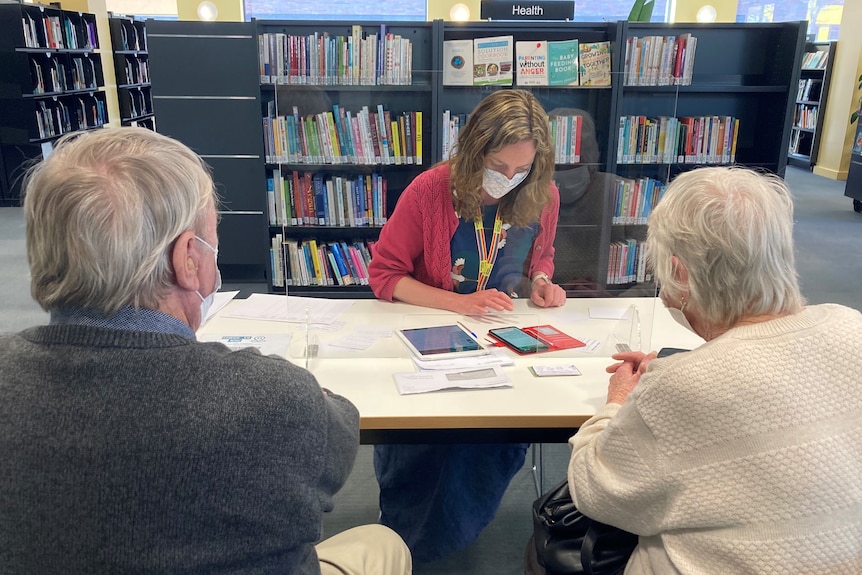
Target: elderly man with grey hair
column 128, row 446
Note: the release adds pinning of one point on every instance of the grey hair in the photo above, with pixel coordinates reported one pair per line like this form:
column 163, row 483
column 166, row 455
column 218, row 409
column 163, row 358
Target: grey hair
column 102, row 212
column 732, row 228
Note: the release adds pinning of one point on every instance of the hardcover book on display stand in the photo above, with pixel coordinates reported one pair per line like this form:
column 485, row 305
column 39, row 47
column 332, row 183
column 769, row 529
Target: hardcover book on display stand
column 458, row 63
column 563, row 63
column 532, row 63
column 595, row 64
column 492, row 61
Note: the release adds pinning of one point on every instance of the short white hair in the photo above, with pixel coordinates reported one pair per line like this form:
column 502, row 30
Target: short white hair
column 732, row 228
column 102, row 212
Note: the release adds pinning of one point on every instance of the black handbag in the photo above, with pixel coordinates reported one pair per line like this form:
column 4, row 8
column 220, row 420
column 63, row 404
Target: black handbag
column 567, row 542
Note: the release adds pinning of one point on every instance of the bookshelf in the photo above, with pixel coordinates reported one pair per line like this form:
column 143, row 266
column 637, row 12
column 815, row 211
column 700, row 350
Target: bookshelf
column 206, row 95
column 736, row 108
column 132, row 69
column 51, row 83
column 815, row 77
column 346, row 113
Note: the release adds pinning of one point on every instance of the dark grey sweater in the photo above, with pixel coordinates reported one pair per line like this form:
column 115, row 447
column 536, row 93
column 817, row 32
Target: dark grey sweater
column 127, row 451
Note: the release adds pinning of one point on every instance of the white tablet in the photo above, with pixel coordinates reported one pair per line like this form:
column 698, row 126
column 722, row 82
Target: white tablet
column 441, row 342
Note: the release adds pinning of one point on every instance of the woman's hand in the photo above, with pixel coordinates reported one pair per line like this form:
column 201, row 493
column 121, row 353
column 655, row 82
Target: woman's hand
column 483, row 301
column 626, row 374
column 547, row 294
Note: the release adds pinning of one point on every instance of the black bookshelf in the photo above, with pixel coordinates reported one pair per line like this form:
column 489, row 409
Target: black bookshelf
column 51, row 83
column 353, row 188
column 810, row 110
column 132, row 71
column 206, row 95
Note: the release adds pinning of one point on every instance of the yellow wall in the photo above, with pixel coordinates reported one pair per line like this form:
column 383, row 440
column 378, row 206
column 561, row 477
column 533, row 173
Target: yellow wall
column 686, row 10
column 228, row 10
column 106, row 52
column 836, row 141
column 439, row 9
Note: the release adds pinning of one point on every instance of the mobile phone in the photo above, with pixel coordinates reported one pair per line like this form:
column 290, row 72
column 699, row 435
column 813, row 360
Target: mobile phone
column 518, row 339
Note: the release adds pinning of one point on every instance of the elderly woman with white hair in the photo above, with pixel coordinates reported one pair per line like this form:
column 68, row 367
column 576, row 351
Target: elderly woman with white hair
column 745, row 454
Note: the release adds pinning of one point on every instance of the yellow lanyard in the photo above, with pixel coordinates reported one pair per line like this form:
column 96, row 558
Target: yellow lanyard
column 487, row 256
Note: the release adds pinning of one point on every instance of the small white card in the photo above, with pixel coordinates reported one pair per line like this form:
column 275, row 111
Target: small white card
column 554, row 370
column 476, row 378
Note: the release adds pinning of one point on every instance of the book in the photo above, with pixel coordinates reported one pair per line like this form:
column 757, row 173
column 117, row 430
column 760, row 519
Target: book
column 531, row 63
column 458, row 63
column 492, row 60
column 594, row 64
column 563, row 63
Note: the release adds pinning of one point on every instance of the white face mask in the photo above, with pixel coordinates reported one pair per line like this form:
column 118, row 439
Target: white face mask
column 207, row 302
column 498, row 185
column 679, row 317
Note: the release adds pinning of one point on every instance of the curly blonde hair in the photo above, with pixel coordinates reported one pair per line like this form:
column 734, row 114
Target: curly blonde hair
column 505, row 117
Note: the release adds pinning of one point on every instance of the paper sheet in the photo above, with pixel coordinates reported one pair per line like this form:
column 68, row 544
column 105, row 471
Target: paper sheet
column 425, row 381
column 273, row 307
column 272, row 344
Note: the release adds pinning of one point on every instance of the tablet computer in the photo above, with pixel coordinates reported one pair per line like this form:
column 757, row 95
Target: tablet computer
column 440, row 342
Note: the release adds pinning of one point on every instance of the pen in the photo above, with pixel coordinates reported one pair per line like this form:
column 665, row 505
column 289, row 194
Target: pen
column 470, row 331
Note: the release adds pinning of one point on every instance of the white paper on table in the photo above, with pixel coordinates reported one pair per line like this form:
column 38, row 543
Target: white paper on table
column 220, row 299
column 425, row 381
column 271, row 344
column 496, row 357
column 591, row 345
column 361, row 338
column 272, row 307
column 608, row 312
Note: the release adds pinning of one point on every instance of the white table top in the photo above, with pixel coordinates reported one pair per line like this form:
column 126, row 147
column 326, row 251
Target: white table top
column 559, row 403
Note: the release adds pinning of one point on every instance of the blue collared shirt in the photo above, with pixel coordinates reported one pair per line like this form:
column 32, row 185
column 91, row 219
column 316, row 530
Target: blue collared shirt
column 127, row 318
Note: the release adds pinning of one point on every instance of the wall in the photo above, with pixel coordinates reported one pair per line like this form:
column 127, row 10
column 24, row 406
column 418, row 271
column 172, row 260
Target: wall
column 686, row 10
column 228, row 10
column 836, row 141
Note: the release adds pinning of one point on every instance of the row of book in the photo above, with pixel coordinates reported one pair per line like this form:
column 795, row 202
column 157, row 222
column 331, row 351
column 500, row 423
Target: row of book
column 306, row 199
column 358, row 59
column 627, row 263
column 140, row 102
column 809, row 90
column 309, row 263
column 499, row 60
column 58, row 75
column 815, row 60
column 59, row 33
column 659, row 60
column 669, row 140
column 137, row 70
column 131, row 37
column 64, row 115
column 805, row 116
column 800, row 142
column 635, row 199
column 344, row 137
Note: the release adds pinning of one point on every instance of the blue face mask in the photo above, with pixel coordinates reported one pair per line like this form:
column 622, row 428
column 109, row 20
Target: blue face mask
column 498, row 185
column 207, row 302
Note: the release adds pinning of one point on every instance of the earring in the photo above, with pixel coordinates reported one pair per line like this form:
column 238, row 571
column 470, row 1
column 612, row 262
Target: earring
column 683, row 302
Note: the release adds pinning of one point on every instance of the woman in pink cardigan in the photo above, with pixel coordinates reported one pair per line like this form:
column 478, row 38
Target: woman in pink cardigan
column 467, row 236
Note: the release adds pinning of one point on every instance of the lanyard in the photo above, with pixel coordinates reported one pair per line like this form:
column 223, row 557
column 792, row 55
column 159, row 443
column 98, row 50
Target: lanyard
column 487, row 257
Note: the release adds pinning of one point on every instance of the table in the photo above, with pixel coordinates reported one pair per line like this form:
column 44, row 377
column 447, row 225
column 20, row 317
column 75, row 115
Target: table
column 535, row 410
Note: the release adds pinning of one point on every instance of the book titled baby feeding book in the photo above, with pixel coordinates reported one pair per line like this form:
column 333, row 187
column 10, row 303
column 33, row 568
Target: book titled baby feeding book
column 595, row 64
column 563, row 63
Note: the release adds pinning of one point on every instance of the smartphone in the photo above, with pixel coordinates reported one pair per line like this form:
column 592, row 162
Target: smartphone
column 517, row 339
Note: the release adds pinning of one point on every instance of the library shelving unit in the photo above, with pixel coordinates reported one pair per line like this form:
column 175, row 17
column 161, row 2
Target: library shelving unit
column 346, row 115
column 132, row 68
column 814, row 80
column 51, row 83
column 585, row 180
column 206, row 95
column 732, row 105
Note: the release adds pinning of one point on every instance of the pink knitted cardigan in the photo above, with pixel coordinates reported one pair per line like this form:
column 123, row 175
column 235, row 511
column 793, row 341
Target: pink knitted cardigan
column 416, row 239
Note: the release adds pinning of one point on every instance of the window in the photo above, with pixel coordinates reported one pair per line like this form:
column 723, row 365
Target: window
column 824, row 16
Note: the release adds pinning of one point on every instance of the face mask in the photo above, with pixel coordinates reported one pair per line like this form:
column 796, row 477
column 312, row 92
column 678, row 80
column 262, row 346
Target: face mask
column 680, row 318
column 207, row 302
column 497, row 185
